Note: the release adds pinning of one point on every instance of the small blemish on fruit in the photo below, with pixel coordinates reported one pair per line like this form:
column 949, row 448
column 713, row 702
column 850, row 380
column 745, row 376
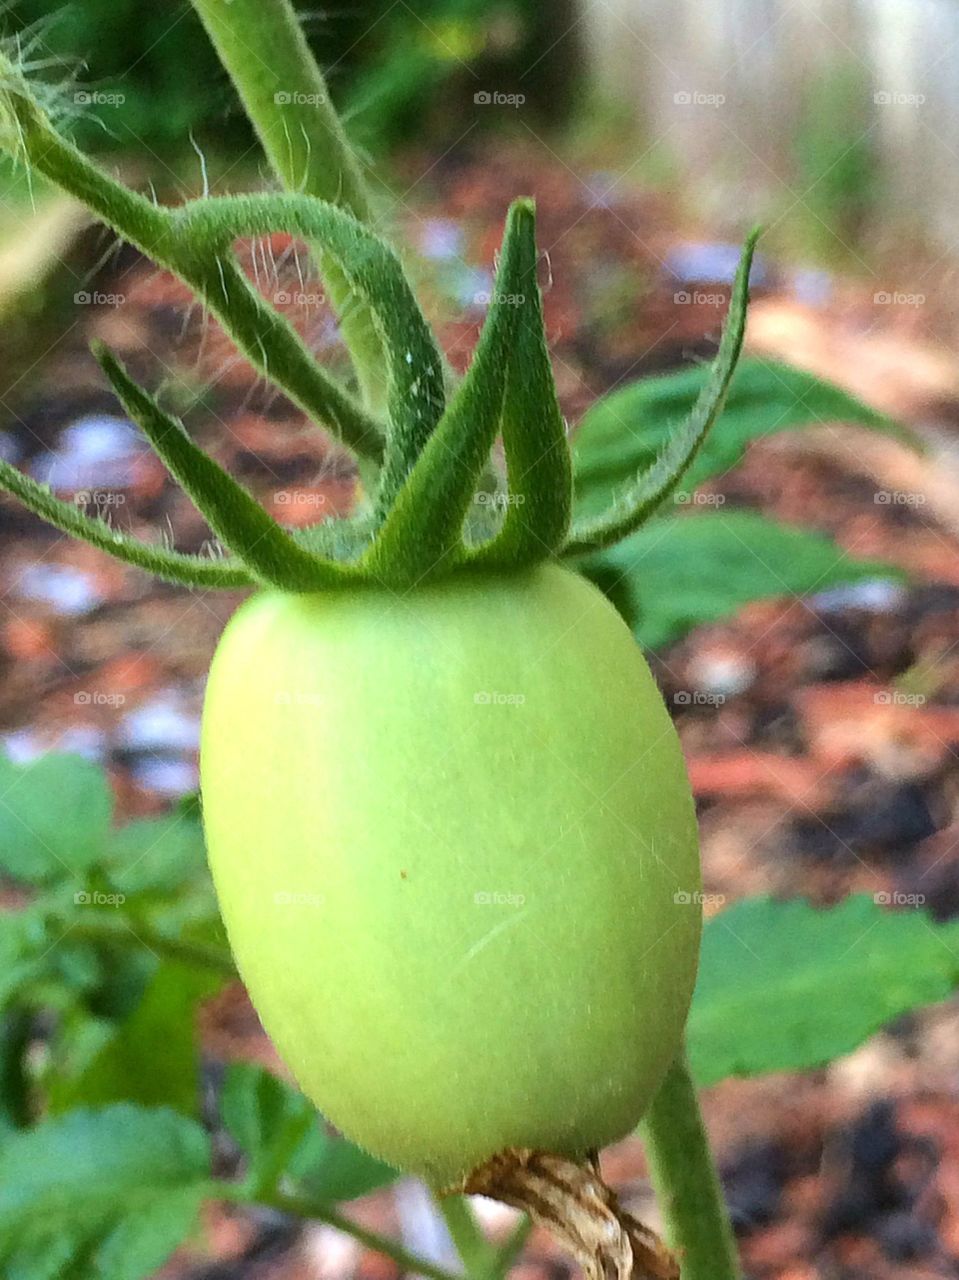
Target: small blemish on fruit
column 404, row 875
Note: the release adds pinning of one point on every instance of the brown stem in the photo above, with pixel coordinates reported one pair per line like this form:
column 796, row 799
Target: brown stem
column 572, row 1201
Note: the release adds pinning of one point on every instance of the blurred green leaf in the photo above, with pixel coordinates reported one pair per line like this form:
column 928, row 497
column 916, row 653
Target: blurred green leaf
column 624, row 433
column 281, row 1133
column 155, row 854
column 784, row 986
column 675, row 574
column 152, row 1057
column 54, row 817
column 107, row 1195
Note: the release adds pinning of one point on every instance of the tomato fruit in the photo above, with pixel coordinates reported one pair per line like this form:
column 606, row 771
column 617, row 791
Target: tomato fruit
column 456, row 853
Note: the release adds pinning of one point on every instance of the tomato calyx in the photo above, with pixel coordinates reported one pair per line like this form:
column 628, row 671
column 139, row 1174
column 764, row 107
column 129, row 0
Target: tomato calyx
column 437, row 505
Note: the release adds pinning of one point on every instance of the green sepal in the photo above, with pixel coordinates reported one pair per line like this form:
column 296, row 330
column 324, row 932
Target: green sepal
column 174, row 566
column 266, row 338
column 414, row 365
column 268, row 552
column 538, row 459
column 653, row 487
column 423, row 533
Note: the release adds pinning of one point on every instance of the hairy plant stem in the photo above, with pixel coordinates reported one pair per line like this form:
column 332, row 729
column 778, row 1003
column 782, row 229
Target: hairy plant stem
column 263, row 48
column 266, row 338
column 479, row 1256
column 685, row 1180
column 318, row 1211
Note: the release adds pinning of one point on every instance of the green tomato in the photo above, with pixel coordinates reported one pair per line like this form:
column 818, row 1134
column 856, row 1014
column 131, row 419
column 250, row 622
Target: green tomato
column 455, row 850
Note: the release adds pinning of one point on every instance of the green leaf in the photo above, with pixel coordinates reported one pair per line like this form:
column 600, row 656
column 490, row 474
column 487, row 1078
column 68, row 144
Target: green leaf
column 624, row 433
column 784, row 986
column 54, row 817
column 155, row 854
column 423, row 533
column 283, row 1136
column 339, row 1170
column 654, row 483
column 152, row 1056
column 119, row 1188
column 674, row 575
column 267, row 551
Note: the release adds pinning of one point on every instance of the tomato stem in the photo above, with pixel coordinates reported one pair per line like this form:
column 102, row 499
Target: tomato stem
column 686, row 1182
column 318, row 1211
column 262, row 46
column 478, row 1255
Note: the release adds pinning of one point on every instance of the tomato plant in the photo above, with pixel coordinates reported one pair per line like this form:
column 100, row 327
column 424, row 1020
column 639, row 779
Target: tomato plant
column 446, row 813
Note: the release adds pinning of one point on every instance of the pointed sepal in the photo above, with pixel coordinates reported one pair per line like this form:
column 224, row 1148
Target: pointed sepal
column 653, row 486
column 423, row 534
column 269, row 553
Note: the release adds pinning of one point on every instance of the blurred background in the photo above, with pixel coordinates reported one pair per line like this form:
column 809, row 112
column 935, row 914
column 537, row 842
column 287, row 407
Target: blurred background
column 821, row 731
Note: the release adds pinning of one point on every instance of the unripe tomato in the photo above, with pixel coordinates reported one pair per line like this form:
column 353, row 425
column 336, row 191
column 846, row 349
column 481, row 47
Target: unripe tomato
column 455, row 849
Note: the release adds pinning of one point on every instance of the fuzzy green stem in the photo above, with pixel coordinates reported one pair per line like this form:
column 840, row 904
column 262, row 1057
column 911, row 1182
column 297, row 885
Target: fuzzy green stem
column 686, row 1183
column 319, row 1211
column 478, row 1254
column 174, row 566
column 266, row 338
column 263, row 48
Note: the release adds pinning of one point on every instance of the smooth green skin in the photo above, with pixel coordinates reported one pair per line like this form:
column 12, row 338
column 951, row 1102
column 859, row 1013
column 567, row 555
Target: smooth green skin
column 466, row 924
